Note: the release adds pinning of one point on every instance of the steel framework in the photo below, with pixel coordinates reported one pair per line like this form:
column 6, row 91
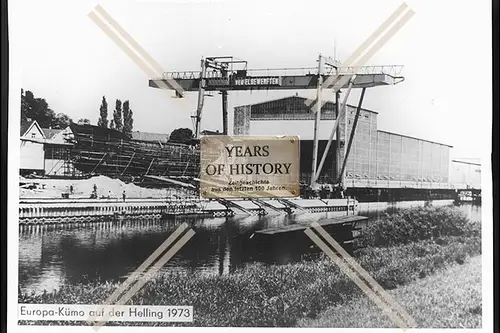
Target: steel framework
column 224, row 74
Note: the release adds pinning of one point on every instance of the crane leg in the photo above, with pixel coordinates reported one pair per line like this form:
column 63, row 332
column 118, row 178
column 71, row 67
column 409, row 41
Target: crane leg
column 224, row 112
column 351, row 137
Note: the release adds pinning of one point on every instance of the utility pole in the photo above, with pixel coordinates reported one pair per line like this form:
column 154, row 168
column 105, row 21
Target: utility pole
column 316, row 122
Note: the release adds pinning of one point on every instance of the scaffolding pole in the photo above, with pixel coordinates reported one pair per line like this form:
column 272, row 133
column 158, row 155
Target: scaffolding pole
column 149, row 167
column 98, row 163
column 131, row 158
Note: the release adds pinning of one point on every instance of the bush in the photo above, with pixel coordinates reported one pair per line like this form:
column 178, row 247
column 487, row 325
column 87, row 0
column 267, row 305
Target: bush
column 416, row 224
column 398, row 265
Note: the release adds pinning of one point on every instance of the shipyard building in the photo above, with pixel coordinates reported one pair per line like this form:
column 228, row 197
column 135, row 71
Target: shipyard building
column 377, row 159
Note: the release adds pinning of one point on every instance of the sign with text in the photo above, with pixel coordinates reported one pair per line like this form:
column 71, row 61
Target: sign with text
column 257, row 81
column 249, row 166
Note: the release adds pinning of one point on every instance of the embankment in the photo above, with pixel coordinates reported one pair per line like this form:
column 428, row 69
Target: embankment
column 83, row 188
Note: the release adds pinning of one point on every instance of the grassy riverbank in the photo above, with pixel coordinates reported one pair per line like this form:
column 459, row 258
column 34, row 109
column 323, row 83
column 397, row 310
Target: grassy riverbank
column 448, row 299
column 399, row 249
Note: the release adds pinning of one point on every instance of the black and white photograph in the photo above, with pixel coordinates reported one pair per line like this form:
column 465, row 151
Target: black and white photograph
column 232, row 163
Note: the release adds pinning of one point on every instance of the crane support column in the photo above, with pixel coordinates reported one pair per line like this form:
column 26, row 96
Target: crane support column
column 201, row 99
column 337, row 150
column 224, row 112
column 314, row 176
column 351, row 136
column 334, row 130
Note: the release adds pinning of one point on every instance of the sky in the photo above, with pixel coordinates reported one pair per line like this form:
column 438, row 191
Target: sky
column 64, row 57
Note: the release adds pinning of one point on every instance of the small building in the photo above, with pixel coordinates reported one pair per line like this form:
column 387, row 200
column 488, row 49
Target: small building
column 32, row 148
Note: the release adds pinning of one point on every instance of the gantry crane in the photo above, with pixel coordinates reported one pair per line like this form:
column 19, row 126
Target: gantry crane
column 224, row 74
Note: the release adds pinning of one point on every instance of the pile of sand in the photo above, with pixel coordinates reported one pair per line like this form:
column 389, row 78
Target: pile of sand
column 54, row 188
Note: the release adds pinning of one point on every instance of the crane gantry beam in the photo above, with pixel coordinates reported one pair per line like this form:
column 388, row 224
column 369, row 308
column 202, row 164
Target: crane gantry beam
column 241, row 80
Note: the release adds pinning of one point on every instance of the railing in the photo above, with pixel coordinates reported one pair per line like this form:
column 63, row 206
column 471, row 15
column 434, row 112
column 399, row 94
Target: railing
column 181, row 75
column 393, row 70
column 356, row 183
column 299, row 71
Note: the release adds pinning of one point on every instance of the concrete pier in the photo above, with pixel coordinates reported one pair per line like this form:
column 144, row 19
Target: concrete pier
column 41, row 211
column 54, row 211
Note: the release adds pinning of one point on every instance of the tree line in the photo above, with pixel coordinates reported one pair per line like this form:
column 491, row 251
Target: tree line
column 36, row 108
column 122, row 121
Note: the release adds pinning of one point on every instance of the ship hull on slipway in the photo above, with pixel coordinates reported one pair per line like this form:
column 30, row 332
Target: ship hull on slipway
column 108, row 152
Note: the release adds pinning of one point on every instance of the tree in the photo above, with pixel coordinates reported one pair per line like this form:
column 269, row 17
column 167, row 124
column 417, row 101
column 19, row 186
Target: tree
column 117, row 116
column 83, row 121
column 103, row 119
column 181, row 135
column 62, row 120
column 24, row 107
column 128, row 120
column 38, row 109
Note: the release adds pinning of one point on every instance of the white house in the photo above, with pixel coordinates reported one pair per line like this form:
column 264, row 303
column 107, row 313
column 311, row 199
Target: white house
column 45, row 151
column 32, row 148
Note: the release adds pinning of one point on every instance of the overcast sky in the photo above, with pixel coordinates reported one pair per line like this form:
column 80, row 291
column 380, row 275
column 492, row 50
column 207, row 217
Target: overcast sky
column 445, row 49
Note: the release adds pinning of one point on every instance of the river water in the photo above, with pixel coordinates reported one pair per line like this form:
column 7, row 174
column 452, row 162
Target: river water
column 51, row 257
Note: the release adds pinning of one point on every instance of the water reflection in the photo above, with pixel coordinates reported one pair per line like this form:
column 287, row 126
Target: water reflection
column 52, row 256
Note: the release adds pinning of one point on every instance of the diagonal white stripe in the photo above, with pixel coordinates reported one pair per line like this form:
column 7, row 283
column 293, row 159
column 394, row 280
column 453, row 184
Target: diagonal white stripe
column 138, row 48
column 375, row 48
column 361, row 271
column 364, row 46
column 151, row 272
column 128, row 51
column 133, row 277
column 352, row 275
